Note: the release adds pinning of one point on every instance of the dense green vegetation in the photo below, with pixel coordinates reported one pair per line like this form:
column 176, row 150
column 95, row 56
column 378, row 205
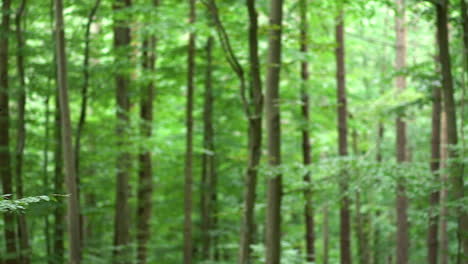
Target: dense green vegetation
column 309, row 131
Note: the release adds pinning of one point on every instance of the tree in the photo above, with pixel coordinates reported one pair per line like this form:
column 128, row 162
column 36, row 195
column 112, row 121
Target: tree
column 455, row 167
column 433, row 230
column 208, row 182
column 122, row 82
column 5, row 166
column 306, row 152
column 84, row 105
column 188, row 245
column 23, row 235
column 145, row 182
column 272, row 110
column 402, row 236
column 342, row 113
column 252, row 102
column 254, row 137
column 73, row 211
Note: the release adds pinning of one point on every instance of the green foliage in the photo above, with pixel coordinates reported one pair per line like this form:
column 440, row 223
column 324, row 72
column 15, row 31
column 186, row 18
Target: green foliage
column 21, row 205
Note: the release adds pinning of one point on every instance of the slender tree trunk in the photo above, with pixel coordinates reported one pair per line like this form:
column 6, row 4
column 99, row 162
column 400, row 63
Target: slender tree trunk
column 464, row 16
column 254, row 139
column 188, row 243
column 308, row 209
column 23, row 235
column 5, row 159
column 73, row 212
column 208, row 165
column 59, row 225
column 59, row 212
column 455, row 167
column 306, row 152
column 402, row 238
column 84, row 103
column 145, row 185
column 45, row 175
column 122, row 80
column 444, row 246
column 326, row 236
column 433, row 230
column 345, row 221
column 272, row 109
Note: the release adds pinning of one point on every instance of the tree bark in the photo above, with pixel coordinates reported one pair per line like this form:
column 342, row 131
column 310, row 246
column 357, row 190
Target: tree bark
column 84, row 104
column 45, row 174
column 73, row 212
column 5, row 159
column 444, row 246
column 188, row 243
column 306, row 152
column 345, row 221
column 326, row 235
column 272, row 109
column 145, row 184
column 59, row 225
column 402, row 237
column 208, row 166
column 23, row 235
column 122, row 81
column 454, row 167
column 433, row 230
column 254, row 138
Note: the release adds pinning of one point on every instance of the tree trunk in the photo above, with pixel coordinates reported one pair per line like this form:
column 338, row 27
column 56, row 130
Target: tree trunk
column 345, row 225
column 402, row 237
column 23, row 235
column 5, row 166
column 84, row 103
column 48, row 245
column 464, row 16
column 254, row 139
column 444, row 246
column 145, row 184
column 59, row 225
column 272, row 109
column 433, row 230
column 326, row 235
column 455, row 167
column 208, row 165
column 306, row 152
column 188, row 244
column 122, row 81
column 73, row 212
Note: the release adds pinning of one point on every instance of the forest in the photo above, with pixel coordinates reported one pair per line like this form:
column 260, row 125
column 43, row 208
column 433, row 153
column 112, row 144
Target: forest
column 229, row 131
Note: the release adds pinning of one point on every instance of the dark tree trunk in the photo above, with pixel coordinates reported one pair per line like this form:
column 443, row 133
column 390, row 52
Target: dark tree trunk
column 345, row 225
column 188, row 244
column 272, row 109
column 48, row 245
column 84, row 104
column 59, row 225
column 208, row 165
column 326, row 235
column 254, row 138
column 73, row 212
column 433, row 230
column 122, row 82
column 455, row 167
column 23, row 235
column 402, row 236
column 5, row 159
column 145, row 185
column 444, row 245
column 306, row 152
column 253, row 107
column 59, row 211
